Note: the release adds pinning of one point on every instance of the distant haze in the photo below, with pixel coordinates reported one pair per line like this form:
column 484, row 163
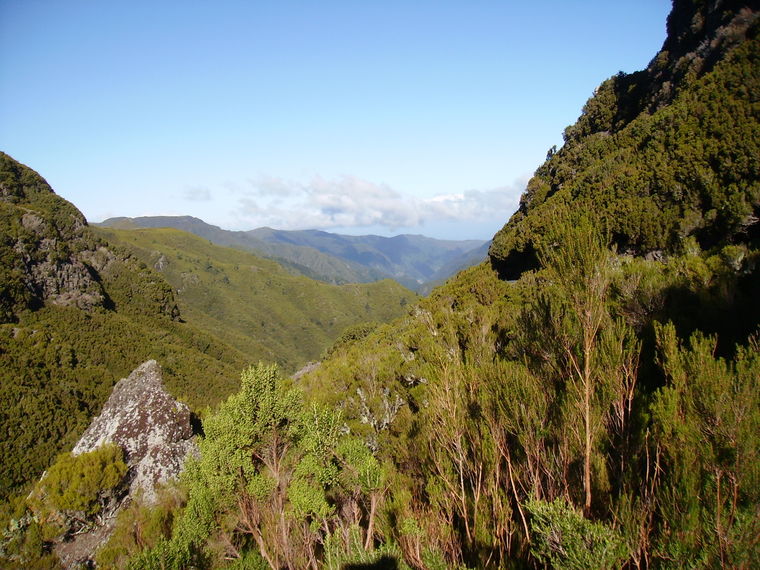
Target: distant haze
column 358, row 118
column 415, row 261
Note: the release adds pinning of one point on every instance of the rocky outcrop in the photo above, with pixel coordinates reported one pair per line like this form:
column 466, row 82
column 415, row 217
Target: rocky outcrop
column 156, row 434
column 154, row 430
column 51, row 257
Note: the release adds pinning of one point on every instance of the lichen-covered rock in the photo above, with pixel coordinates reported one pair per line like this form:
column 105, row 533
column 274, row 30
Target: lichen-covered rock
column 156, row 434
column 154, row 430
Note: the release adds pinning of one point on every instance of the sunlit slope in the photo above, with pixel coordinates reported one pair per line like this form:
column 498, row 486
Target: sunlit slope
column 77, row 314
column 253, row 303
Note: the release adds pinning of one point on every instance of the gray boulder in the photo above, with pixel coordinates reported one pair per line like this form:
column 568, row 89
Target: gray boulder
column 154, row 430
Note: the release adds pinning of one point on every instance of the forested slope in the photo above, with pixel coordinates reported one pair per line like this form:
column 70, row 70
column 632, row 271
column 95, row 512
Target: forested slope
column 253, row 303
column 662, row 154
column 588, row 399
column 80, row 308
column 76, row 314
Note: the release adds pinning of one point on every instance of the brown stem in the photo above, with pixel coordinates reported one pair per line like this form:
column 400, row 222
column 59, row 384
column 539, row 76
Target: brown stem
column 371, row 523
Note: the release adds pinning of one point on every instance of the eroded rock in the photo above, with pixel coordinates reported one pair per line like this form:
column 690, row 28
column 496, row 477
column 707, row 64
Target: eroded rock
column 154, row 430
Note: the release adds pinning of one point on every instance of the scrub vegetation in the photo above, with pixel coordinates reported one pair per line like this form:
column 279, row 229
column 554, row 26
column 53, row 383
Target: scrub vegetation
column 589, row 397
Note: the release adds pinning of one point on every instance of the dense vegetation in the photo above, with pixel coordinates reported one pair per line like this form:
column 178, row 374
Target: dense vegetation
column 77, row 313
column 253, row 304
column 600, row 409
column 574, row 403
column 657, row 173
column 549, row 420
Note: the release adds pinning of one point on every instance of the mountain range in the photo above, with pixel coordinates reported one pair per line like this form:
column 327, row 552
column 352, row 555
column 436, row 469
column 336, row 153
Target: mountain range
column 412, row 260
column 587, row 397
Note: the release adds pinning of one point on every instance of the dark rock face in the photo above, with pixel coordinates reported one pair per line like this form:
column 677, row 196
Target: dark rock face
column 152, row 428
column 51, row 257
column 43, row 240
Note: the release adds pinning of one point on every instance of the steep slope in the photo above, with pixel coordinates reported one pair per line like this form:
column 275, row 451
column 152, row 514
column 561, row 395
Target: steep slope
column 662, row 154
column 253, row 303
column 76, row 314
column 567, row 404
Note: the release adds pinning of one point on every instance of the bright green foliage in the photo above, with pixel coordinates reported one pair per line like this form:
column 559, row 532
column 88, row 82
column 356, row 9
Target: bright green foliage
column 561, row 538
column 595, row 356
column 364, row 472
column 707, row 421
column 78, row 485
column 492, row 380
column 274, row 476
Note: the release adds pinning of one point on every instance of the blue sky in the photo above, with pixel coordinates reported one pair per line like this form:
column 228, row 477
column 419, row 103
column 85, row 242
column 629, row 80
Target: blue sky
column 356, row 117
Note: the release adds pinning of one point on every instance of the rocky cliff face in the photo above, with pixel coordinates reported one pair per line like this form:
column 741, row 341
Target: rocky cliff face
column 154, row 430
column 42, row 239
column 48, row 255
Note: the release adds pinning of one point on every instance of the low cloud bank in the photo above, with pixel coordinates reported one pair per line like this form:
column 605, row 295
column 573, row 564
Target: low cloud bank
column 351, row 202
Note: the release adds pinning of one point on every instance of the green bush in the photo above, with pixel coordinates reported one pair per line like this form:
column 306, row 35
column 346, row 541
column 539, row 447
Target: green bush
column 562, row 538
column 80, row 484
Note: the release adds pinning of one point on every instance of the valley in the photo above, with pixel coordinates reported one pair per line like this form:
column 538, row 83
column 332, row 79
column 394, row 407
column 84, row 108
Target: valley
column 414, row 261
column 587, row 395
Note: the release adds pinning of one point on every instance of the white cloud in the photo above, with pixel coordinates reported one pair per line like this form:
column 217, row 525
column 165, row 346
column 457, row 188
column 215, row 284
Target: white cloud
column 351, row 202
column 272, row 186
column 196, row 194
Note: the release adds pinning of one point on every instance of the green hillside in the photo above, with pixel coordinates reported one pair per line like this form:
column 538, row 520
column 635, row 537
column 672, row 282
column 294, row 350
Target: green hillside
column 80, row 308
column 298, row 259
column 661, row 155
column 411, row 260
column 77, row 314
column 589, row 398
column 254, row 304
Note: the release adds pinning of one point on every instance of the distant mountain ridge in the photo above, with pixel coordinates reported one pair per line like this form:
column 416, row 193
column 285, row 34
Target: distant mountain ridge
column 254, row 304
column 412, row 260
